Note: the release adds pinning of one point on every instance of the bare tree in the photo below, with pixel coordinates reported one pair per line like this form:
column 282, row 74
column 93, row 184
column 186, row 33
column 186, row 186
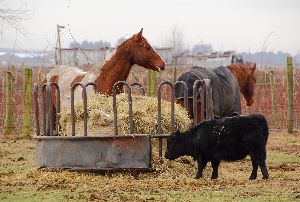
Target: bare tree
column 175, row 39
column 14, row 17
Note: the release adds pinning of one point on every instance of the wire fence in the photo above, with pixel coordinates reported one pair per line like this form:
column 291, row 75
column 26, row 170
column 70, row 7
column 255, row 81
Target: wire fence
column 270, row 96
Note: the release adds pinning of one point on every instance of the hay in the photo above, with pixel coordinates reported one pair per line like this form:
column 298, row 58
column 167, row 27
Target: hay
column 100, row 116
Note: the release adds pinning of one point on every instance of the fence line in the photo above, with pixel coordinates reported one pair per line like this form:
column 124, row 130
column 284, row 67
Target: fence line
column 270, row 94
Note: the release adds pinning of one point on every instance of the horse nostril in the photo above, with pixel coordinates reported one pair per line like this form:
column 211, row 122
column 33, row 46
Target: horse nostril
column 250, row 102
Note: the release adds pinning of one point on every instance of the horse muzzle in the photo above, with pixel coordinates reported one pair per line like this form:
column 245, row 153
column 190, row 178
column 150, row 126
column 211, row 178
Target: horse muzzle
column 161, row 67
column 250, row 102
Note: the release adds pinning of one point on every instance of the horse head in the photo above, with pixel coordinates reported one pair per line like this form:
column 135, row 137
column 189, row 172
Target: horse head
column 244, row 72
column 143, row 53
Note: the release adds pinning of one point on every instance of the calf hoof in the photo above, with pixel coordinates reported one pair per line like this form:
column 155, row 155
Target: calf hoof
column 214, row 177
column 265, row 177
column 198, row 176
column 252, row 177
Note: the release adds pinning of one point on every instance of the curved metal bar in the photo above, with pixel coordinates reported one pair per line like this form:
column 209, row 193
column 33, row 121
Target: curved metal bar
column 92, row 84
column 139, row 85
column 50, row 111
column 57, row 105
column 209, row 100
column 44, row 86
column 129, row 98
column 203, row 102
column 36, row 99
column 185, row 93
column 84, row 98
column 195, row 98
column 159, row 106
column 159, row 128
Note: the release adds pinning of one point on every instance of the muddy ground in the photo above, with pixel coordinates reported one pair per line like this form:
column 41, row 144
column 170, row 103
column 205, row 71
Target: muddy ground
column 172, row 180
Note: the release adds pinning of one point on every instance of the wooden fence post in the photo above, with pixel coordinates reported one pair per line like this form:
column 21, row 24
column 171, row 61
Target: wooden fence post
column 152, row 84
column 9, row 104
column 27, row 103
column 290, row 93
column 174, row 74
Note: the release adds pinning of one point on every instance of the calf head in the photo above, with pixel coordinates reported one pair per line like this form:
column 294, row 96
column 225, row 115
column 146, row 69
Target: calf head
column 175, row 146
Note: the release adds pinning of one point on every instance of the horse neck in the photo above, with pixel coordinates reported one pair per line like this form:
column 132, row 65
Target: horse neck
column 117, row 68
column 240, row 75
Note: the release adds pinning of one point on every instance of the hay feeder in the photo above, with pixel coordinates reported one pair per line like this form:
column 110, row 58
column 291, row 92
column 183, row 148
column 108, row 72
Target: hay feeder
column 101, row 152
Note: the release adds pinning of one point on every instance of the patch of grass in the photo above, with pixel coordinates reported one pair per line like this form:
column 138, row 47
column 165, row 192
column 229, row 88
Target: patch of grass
column 213, row 196
column 30, row 194
column 279, row 157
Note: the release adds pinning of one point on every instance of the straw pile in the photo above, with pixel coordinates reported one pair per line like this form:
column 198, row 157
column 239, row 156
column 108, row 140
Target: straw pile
column 100, row 116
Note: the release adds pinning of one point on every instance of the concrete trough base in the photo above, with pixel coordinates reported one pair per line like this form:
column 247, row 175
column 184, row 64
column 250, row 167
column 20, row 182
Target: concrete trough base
column 92, row 153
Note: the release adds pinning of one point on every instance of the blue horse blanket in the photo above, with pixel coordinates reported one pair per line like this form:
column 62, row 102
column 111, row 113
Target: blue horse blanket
column 225, row 88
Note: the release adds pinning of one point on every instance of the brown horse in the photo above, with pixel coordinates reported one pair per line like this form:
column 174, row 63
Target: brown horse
column 227, row 84
column 135, row 50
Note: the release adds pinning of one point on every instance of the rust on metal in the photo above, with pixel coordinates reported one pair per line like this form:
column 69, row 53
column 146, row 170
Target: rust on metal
column 140, row 86
column 92, row 84
column 36, row 100
column 159, row 128
column 94, row 152
column 198, row 86
column 208, row 100
column 84, row 98
column 129, row 99
column 185, row 93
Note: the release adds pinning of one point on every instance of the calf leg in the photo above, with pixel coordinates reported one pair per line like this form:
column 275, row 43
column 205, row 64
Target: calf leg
column 201, row 165
column 215, row 165
column 254, row 159
column 262, row 164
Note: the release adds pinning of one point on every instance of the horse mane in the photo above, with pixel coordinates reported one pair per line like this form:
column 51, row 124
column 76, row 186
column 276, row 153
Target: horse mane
column 120, row 50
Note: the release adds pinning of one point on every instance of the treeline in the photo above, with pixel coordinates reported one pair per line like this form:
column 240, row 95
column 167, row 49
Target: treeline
column 96, row 44
column 90, row 44
column 278, row 58
column 258, row 57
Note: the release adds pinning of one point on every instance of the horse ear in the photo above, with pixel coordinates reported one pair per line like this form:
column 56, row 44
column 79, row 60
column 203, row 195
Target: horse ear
column 253, row 67
column 139, row 35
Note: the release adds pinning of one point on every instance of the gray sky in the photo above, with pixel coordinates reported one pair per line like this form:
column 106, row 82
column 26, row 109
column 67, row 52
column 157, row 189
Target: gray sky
column 242, row 25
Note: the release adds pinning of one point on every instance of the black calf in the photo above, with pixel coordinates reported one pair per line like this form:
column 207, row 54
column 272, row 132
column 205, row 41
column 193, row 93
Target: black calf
column 228, row 139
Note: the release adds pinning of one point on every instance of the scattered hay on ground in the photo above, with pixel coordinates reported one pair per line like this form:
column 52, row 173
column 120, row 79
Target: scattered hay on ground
column 100, row 116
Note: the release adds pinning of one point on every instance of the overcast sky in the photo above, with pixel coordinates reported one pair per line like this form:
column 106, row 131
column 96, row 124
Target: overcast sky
column 242, row 25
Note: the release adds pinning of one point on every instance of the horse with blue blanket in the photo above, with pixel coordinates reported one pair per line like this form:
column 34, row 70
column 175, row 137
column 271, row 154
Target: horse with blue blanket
column 227, row 84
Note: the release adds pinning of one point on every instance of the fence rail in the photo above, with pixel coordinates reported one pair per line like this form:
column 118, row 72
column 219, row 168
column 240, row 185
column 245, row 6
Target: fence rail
column 270, row 94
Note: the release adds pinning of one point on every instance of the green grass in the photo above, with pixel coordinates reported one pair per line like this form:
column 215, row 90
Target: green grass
column 278, row 157
column 30, row 194
column 212, row 196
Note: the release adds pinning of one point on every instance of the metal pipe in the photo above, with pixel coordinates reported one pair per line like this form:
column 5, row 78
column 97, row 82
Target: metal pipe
column 92, row 84
column 44, row 108
column 209, row 100
column 57, row 105
column 129, row 99
column 139, row 85
column 50, row 111
column 36, row 99
column 185, row 92
column 84, row 98
column 159, row 128
column 195, row 99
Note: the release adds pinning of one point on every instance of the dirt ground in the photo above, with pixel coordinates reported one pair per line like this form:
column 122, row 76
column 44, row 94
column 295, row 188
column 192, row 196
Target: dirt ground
column 172, row 180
